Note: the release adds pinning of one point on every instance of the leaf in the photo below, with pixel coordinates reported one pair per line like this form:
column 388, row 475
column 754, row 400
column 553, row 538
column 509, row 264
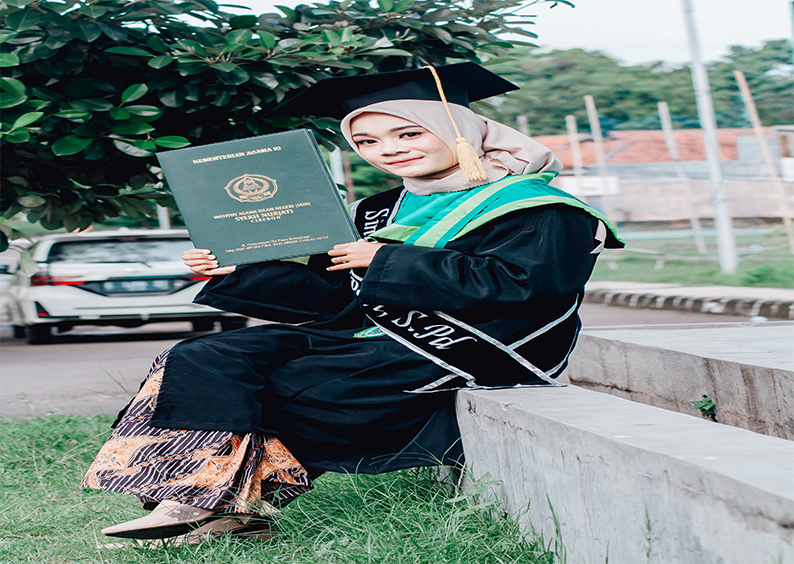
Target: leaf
column 119, row 113
column 156, row 43
column 87, row 31
column 132, row 128
column 332, row 37
column 31, row 201
column 93, row 11
column 26, row 119
column 8, row 60
column 237, row 76
column 134, row 51
column 144, row 111
column 226, row 67
column 131, row 150
column 73, row 115
column 268, row 40
column 69, row 145
column 172, row 142
column 289, row 43
column 266, row 79
column 133, row 93
column 386, row 5
column 45, row 94
column 160, row 62
column 12, row 85
column 92, row 104
column 21, row 136
column 173, row 98
column 239, row 36
column 12, row 99
column 18, row 180
column 95, row 151
column 289, row 12
column 23, row 19
column 3, row 242
column 390, row 52
column 240, row 22
column 403, row 5
column 115, row 32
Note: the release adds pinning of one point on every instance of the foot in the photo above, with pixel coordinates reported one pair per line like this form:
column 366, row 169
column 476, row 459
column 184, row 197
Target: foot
column 169, row 519
column 235, row 525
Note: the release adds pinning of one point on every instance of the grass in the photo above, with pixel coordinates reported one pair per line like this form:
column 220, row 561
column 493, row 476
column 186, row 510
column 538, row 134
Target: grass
column 764, row 260
column 404, row 517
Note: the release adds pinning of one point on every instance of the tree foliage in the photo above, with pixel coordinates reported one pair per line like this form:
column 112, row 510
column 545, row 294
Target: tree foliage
column 554, row 84
column 92, row 89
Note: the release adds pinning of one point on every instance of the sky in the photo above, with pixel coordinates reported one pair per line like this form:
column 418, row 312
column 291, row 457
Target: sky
column 640, row 31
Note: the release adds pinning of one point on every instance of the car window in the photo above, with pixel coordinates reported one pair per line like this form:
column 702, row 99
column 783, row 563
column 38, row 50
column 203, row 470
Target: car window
column 122, row 250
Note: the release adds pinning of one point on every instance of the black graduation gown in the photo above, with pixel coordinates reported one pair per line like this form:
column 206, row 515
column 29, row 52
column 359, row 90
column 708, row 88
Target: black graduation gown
column 342, row 403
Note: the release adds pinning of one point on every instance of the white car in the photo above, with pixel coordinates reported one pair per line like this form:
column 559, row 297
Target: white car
column 125, row 278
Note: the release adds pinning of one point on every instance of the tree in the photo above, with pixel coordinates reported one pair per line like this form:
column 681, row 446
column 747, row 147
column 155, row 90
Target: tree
column 92, row 89
column 554, row 84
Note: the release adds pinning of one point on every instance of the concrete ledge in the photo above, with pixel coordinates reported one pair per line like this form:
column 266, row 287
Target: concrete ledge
column 630, row 482
column 772, row 309
column 746, row 369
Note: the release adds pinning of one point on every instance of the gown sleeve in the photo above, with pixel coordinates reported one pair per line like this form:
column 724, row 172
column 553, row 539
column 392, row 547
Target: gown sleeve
column 281, row 291
column 530, row 257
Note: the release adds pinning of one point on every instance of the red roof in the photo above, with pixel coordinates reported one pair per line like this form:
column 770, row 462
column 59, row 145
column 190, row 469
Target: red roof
column 643, row 146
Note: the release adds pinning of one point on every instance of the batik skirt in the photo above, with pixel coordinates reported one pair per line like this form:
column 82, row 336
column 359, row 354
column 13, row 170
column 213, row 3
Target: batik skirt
column 218, row 470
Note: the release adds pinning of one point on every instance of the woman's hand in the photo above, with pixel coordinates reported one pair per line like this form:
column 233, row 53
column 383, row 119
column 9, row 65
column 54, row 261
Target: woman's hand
column 202, row 262
column 353, row 255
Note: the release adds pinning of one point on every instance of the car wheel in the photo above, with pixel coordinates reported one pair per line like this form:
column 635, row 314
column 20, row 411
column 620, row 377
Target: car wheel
column 203, row 325
column 19, row 331
column 233, row 323
column 39, row 334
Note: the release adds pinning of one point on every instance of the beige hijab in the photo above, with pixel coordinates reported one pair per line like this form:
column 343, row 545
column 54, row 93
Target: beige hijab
column 502, row 150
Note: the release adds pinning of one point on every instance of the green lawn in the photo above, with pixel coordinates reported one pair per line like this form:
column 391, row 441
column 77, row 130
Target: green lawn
column 404, row 517
column 764, row 260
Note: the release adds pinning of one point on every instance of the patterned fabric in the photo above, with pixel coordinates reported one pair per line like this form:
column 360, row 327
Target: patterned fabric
column 218, row 470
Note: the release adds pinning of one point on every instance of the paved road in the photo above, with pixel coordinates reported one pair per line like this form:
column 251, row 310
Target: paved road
column 93, row 370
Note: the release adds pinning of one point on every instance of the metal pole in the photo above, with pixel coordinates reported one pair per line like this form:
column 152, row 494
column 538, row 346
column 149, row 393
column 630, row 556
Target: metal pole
column 337, row 172
column 723, row 222
column 523, row 124
column 672, row 148
column 576, row 153
column 601, row 158
column 351, row 189
column 777, row 185
column 163, row 218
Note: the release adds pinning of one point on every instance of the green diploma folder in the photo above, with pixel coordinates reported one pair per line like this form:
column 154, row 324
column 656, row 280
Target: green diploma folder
column 258, row 199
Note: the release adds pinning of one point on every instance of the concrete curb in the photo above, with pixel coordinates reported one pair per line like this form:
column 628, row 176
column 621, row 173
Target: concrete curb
column 625, row 482
column 772, row 309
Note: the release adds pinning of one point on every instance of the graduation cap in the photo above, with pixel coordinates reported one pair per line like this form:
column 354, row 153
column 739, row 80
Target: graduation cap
column 336, row 97
column 460, row 83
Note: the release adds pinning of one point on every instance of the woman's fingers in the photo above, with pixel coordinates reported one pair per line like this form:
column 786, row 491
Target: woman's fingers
column 219, row 271
column 203, row 262
column 353, row 255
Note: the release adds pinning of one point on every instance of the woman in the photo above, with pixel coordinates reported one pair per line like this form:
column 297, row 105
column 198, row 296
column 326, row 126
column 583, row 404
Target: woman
column 470, row 276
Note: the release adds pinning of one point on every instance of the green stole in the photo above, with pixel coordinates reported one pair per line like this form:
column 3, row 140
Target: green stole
column 435, row 220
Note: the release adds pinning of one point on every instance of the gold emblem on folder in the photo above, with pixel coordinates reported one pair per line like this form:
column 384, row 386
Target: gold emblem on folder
column 251, row 188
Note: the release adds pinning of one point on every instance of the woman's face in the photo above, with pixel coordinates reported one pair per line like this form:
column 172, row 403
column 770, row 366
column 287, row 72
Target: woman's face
column 399, row 146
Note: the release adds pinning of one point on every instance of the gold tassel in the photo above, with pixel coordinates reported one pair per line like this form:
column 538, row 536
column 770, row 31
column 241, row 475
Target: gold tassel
column 471, row 167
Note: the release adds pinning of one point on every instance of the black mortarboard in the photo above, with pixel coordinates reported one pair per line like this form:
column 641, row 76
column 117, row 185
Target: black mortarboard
column 337, row 97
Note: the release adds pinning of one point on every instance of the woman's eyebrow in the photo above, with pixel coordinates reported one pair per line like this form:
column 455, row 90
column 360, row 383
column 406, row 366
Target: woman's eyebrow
column 401, row 127
column 392, row 130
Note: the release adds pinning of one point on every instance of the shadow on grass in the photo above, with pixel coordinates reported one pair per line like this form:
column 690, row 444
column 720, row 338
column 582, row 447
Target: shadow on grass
column 404, row 517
